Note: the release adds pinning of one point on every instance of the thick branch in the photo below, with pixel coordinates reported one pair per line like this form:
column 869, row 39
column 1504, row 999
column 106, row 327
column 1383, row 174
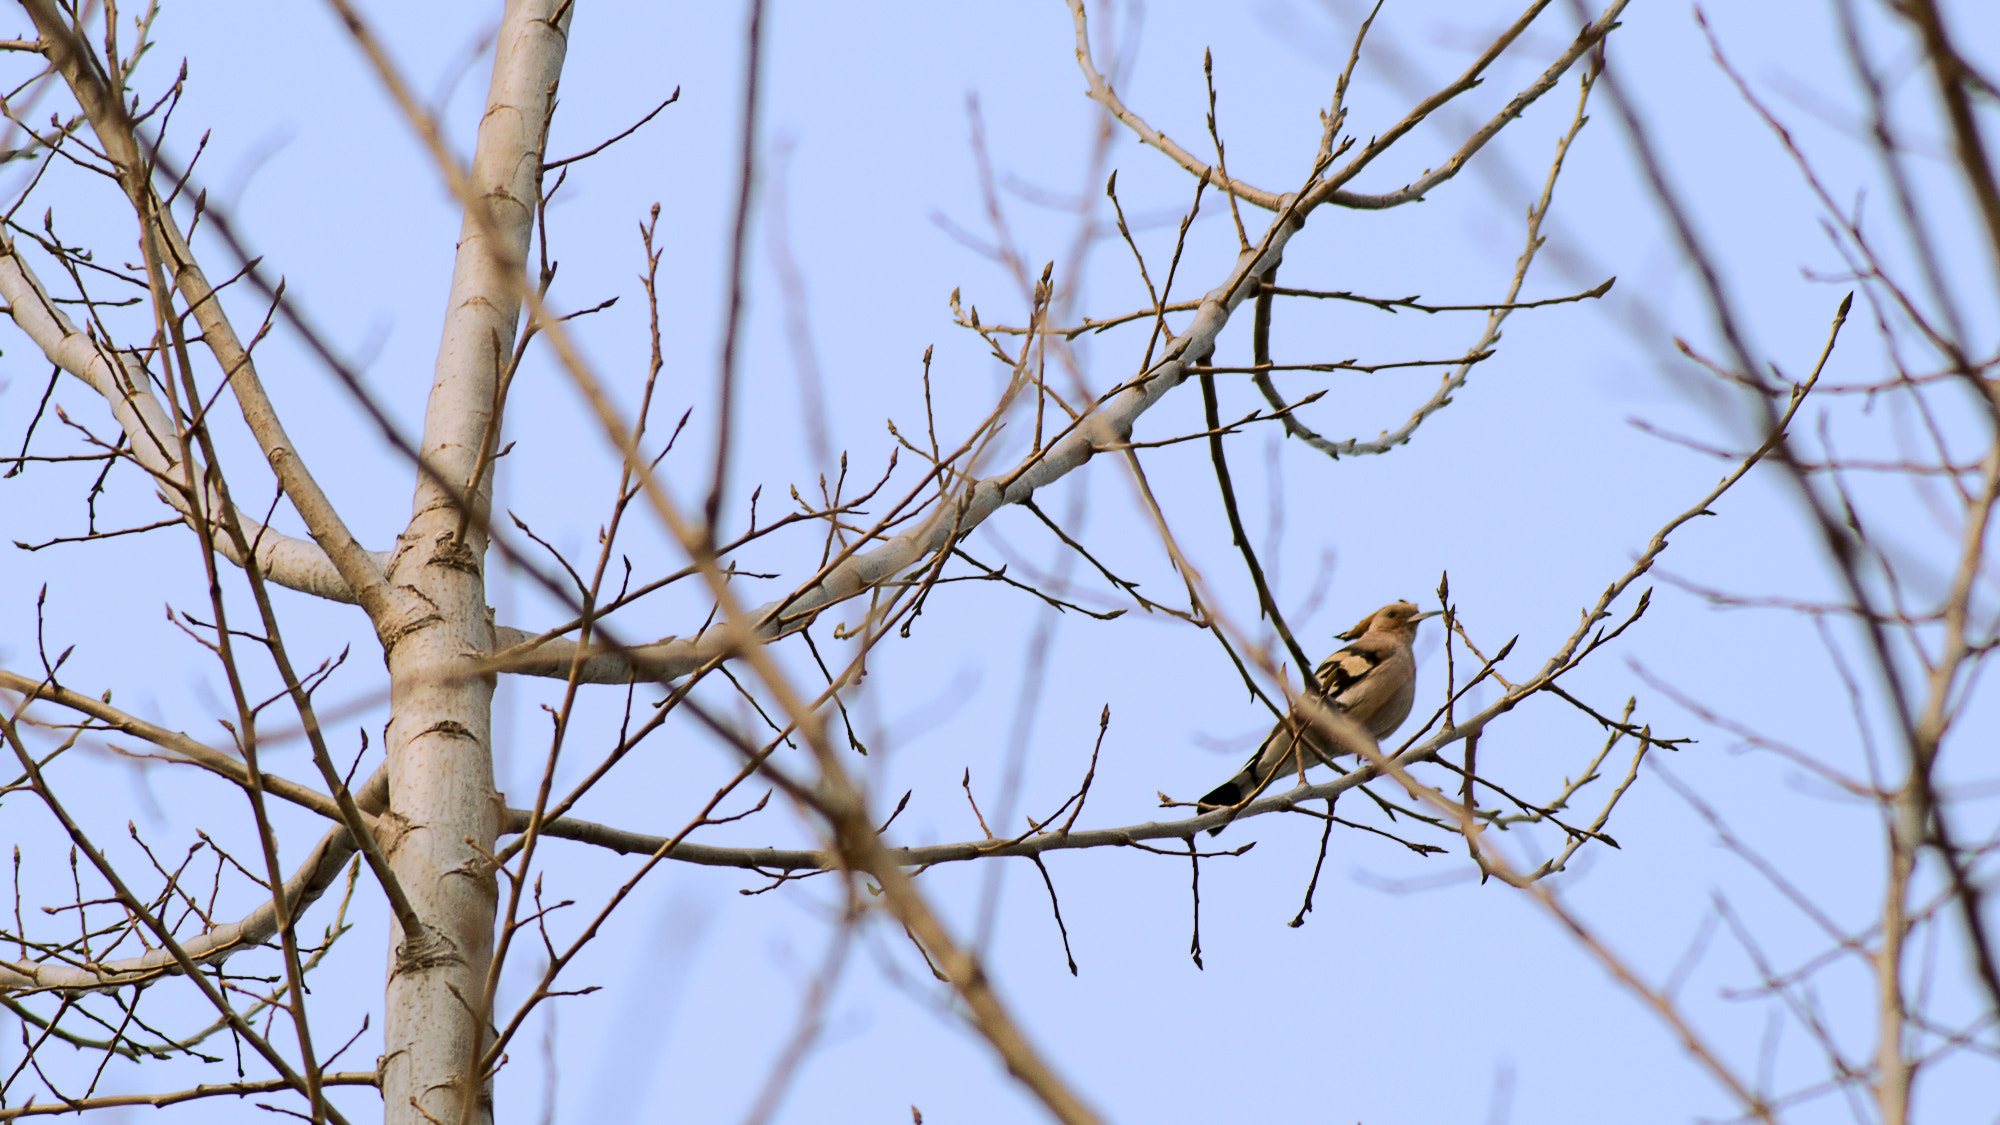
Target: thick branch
column 297, row 564
column 361, row 571
column 1332, row 724
column 1110, row 426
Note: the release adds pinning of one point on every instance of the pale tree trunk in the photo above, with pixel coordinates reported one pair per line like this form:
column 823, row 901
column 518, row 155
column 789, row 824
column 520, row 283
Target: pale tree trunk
column 439, row 741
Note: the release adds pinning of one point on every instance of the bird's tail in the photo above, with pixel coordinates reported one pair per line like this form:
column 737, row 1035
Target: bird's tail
column 1230, row 792
column 1282, row 750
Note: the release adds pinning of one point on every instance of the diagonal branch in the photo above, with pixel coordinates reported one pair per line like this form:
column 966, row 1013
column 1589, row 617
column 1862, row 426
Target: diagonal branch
column 320, row 869
column 1108, row 425
column 1495, row 317
column 174, row 742
column 296, row 564
column 105, row 109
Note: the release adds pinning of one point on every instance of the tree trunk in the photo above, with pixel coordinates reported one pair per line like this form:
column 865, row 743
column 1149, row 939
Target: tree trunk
column 443, row 807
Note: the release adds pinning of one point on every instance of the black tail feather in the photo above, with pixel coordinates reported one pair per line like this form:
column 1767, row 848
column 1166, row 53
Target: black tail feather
column 1222, row 796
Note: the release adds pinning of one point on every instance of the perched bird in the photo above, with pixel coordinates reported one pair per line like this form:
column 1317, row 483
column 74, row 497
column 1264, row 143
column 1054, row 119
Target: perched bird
column 1372, row 682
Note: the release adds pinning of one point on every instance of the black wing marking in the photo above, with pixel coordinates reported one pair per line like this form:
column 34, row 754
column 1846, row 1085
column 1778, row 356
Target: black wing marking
column 1346, row 668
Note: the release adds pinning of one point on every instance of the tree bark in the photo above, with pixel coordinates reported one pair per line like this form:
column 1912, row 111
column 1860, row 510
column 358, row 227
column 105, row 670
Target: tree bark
column 444, row 814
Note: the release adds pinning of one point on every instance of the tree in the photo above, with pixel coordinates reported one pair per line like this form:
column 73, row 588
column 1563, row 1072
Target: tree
column 460, row 870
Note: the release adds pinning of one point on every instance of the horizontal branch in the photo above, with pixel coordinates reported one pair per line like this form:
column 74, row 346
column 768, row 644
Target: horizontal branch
column 1375, row 763
column 1416, row 304
column 1344, row 365
column 219, row 1090
column 799, row 859
column 1090, row 325
column 1387, row 304
column 1220, row 430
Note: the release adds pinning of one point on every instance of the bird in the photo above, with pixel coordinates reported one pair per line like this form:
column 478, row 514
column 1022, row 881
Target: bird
column 1372, row 682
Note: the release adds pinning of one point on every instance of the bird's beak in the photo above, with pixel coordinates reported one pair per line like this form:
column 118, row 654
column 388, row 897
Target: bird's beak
column 1421, row 616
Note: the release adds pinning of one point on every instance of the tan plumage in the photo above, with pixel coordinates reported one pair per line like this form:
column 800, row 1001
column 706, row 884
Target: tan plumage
column 1372, row 681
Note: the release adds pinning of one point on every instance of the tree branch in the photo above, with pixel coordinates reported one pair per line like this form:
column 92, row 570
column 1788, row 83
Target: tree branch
column 296, row 564
column 321, row 867
column 362, row 572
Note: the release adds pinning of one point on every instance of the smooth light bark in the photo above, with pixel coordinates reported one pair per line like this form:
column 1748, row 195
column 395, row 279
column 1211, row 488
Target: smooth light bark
column 296, row 563
column 443, row 813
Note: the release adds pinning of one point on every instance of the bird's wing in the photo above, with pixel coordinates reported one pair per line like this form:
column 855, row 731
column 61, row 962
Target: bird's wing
column 1345, row 682
column 1351, row 665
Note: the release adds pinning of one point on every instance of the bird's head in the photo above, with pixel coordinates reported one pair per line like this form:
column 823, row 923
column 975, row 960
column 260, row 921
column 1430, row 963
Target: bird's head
column 1399, row 618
